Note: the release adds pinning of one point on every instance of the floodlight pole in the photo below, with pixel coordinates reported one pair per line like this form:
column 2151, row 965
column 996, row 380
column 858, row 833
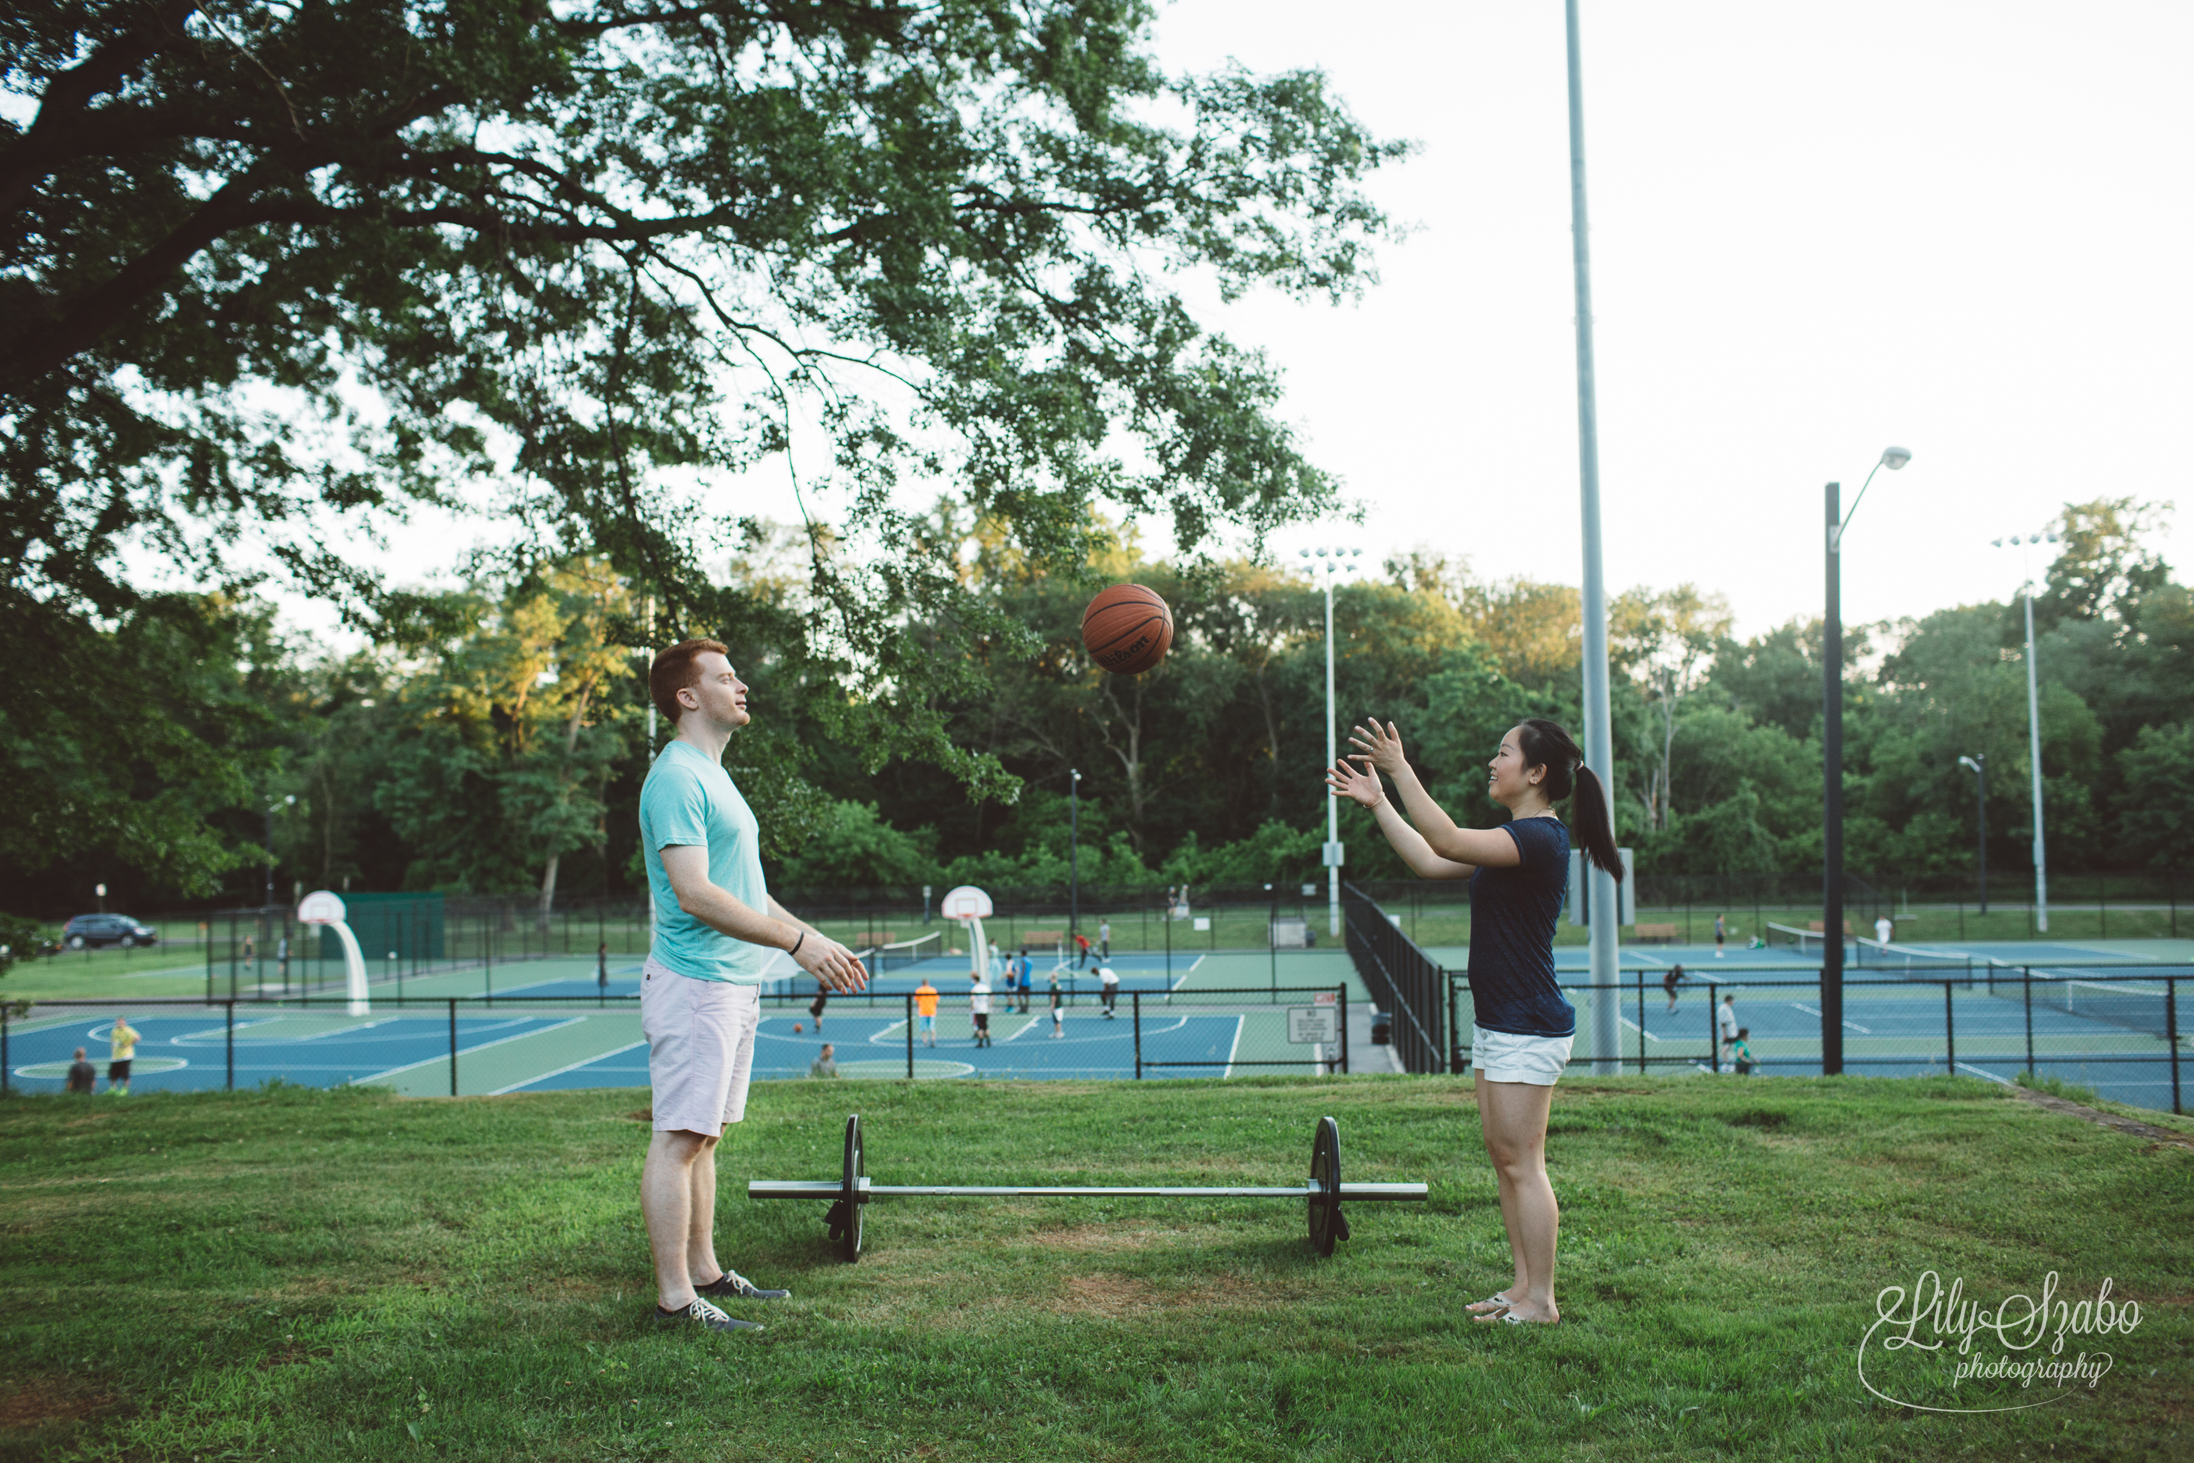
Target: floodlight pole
column 1333, row 805
column 1074, row 854
column 2034, row 758
column 1979, row 763
column 1602, row 907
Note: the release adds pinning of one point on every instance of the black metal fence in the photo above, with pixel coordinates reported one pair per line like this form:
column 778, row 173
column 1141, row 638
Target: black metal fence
column 1409, row 984
column 2118, row 1033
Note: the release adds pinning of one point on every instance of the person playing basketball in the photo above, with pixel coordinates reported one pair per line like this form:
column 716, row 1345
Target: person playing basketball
column 1523, row 1027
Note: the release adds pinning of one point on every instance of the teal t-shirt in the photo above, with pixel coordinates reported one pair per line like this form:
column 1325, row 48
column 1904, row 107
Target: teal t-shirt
column 689, row 800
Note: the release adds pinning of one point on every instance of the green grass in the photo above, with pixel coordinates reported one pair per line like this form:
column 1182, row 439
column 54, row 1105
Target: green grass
column 296, row 1274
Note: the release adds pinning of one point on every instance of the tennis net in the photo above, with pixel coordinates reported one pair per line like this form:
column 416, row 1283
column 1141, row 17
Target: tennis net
column 901, row 953
column 1913, row 961
column 1809, row 943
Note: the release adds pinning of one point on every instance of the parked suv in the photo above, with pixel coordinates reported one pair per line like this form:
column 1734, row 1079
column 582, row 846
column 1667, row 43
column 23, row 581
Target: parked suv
column 89, row 931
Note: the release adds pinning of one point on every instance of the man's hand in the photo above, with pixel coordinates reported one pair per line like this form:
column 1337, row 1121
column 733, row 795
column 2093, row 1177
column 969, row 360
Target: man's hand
column 831, row 963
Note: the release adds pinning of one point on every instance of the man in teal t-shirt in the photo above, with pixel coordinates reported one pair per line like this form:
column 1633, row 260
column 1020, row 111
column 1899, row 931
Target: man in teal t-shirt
column 716, row 933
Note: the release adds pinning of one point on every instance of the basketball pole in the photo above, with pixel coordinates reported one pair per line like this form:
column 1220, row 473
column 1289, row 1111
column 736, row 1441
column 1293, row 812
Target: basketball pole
column 1602, row 907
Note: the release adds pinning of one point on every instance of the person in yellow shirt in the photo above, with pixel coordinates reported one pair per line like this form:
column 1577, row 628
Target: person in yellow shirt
column 123, row 1042
column 925, row 1005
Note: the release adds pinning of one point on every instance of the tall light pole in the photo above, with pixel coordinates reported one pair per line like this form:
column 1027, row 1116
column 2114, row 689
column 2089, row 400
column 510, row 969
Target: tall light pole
column 1832, row 772
column 1342, row 562
column 1979, row 764
column 272, row 804
column 2034, row 727
column 1603, row 909
column 1074, row 854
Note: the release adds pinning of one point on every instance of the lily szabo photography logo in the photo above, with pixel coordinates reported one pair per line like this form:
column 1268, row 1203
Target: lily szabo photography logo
column 2024, row 1352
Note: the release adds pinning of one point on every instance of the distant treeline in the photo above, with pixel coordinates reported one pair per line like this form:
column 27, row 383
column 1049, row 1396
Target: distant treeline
column 501, row 751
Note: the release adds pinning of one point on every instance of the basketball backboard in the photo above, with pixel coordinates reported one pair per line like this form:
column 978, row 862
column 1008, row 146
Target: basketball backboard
column 965, row 902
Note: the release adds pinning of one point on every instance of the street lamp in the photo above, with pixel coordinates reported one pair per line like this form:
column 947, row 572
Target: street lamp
column 2034, row 726
column 1074, row 854
column 1342, row 562
column 1832, row 772
column 272, row 804
column 1979, row 764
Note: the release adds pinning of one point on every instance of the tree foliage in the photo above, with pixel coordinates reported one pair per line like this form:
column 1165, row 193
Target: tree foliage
column 273, row 274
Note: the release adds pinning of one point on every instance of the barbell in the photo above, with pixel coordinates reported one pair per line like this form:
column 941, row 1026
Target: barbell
column 852, row 1191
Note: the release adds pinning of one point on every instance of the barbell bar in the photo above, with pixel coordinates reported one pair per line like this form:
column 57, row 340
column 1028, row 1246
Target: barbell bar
column 852, row 1191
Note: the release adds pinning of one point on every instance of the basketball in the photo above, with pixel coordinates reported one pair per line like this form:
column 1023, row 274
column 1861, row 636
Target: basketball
column 1128, row 629
column 795, row 1028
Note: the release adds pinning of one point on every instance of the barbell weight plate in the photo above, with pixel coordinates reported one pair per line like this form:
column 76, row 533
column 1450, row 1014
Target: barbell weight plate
column 849, row 1238
column 1324, row 1204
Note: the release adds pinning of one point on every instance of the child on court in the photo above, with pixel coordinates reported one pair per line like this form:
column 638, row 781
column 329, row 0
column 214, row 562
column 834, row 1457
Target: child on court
column 925, row 1009
column 1740, row 1053
column 122, row 1041
column 1058, row 1000
column 1108, row 981
column 1721, row 934
column 1081, row 949
column 1670, row 981
column 978, row 1008
column 1725, row 1021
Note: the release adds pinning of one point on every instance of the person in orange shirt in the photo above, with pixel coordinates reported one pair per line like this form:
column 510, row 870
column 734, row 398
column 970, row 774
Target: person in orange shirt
column 925, row 1004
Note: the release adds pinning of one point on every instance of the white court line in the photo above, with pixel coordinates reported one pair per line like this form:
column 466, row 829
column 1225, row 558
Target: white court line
column 876, row 1038
column 213, row 1034
column 1991, row 1076
column 570, row 1067
column 1239, row 1023
column 1641, row 955
column 463, row 1051
column 1029, row 1025
column 1855, row 1026
column 1634, row 1026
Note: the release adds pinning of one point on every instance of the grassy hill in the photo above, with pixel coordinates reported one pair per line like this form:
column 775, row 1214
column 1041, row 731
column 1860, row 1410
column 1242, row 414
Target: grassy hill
column 297, row 1274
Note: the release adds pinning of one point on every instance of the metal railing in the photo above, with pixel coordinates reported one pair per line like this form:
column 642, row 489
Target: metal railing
column 1410, row 985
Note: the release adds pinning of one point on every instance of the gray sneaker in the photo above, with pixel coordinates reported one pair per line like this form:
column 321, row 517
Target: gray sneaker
column 731, row 1282
column 701, row 1313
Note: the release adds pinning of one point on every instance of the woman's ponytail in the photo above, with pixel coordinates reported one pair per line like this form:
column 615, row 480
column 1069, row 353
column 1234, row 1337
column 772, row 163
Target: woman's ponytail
column 1592, row 820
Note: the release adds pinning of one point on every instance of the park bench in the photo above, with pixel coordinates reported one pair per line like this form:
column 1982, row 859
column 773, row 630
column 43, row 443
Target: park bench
column 1820, row 926
column 1032, row 938
column 1655, row 934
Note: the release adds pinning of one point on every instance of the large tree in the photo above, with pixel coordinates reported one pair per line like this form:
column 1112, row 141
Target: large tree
column 271, row 274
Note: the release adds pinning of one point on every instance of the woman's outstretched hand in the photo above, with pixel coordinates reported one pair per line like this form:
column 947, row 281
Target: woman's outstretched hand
column 1380, row 746
column 1360, row 783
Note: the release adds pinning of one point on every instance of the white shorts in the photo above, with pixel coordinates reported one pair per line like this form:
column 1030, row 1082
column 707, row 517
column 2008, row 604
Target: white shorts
column 700, row 1048
column 1506, row 1057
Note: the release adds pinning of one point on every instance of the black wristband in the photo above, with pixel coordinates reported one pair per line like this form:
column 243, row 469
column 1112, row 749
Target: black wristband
column 796, row 944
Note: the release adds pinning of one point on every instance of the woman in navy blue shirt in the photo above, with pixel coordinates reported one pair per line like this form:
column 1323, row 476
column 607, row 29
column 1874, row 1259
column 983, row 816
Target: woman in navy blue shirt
column 1523, row 1026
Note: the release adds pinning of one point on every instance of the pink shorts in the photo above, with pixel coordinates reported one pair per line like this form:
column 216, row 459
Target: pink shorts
column 700, row 1048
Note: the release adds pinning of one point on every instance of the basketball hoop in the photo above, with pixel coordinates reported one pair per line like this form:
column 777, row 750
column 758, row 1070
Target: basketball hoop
column 965, row 902
column 325, row 908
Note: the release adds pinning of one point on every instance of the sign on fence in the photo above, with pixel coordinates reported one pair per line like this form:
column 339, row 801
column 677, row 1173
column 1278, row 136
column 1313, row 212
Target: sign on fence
column 1307, row 1024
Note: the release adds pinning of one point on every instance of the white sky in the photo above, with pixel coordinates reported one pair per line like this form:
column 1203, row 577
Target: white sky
column 1816, row 230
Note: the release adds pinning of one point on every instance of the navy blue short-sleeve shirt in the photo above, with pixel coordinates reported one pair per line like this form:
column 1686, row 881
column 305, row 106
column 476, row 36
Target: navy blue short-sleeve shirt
column 1512, row 918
